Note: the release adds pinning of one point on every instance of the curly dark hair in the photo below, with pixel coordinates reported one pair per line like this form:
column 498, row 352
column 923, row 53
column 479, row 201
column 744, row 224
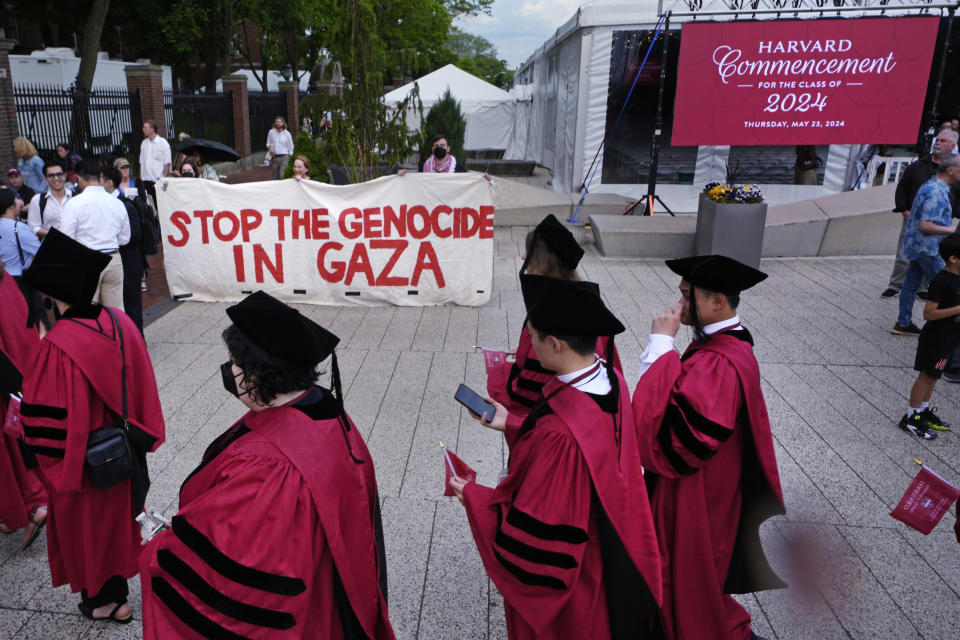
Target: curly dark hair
column 266, row 376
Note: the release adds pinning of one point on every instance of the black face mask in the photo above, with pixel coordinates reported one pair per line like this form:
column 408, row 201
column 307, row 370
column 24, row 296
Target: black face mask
column 230, row 380
column 439, row 153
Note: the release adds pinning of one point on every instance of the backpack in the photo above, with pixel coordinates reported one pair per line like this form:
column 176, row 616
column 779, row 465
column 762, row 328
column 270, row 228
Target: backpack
column 149, row 223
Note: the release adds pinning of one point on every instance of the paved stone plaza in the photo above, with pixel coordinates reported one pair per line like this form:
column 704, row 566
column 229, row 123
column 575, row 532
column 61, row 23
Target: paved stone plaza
column 836, row 383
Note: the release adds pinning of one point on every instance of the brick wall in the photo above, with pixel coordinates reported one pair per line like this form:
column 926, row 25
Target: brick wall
column 8, row 110
column 148, row 79
column 237, row 86
column 292, row 91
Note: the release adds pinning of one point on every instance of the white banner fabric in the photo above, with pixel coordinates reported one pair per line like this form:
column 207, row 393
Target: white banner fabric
column 413, row 240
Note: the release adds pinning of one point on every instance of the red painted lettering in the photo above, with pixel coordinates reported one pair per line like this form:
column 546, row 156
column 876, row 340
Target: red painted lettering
column 384, row 279
column 250, row 219
column 337, row 266
column 180, row 220
column 320, row 222
column 441, row 232
column 238, row 262
column 234, row 226
column 359, row 261
column 427, row 259
column 397, row 223
column 468, row 216
column 412, row 214
column 353, row 231
column 486, row 225
column 203, row 217
column 372, row 223
column 261, row 260
column 280, row 215
column 300, row 221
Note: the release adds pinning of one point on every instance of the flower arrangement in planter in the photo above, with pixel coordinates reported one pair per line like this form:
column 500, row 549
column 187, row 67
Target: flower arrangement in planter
column 735, row 194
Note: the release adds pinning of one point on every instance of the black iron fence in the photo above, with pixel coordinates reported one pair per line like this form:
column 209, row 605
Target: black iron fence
column 200, row 115
column 92, row 122
column 264, row 109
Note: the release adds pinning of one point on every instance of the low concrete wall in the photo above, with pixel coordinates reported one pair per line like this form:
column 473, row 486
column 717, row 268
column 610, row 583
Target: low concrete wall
column 843, row 224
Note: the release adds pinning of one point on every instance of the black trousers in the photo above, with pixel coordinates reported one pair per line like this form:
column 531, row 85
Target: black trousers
column 133, row 298
column 114, row 590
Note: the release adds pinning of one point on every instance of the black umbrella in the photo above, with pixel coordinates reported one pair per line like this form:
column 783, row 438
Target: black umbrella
column 209, row 150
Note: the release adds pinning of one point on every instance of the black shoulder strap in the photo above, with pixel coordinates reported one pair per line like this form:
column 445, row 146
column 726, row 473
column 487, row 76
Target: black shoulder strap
column 19, row 247
column 123, row 362
column 43, row 205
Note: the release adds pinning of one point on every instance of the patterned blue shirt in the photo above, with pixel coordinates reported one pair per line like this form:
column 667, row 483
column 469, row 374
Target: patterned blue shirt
column 10, row 231
column 931, row 203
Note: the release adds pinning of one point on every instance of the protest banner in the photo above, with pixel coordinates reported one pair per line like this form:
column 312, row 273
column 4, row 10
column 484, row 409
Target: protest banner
column 791, row 82
column 414, row 240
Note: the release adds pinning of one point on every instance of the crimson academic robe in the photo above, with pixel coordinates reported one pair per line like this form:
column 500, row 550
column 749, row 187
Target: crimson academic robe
column 71, row 389
column 278, row 535
column 706, row 445
column 518, row 385
column 20, row 489
column 567, row 535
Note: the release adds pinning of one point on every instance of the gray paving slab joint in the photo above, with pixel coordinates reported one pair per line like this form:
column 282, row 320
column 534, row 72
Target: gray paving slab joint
column 836, row 383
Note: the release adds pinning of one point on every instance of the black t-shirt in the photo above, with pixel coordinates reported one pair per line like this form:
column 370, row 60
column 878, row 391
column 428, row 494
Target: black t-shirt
column 944, row 290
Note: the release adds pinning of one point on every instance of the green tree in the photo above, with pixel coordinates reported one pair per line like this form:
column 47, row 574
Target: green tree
column 365, row 134
column 414, row 35
column 477, row 55
column 446, row 119
column 462, row 8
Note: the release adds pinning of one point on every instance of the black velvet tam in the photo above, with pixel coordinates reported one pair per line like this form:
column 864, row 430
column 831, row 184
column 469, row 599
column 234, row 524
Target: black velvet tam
column 716, row 273
column 281, row 330
column 567, row 307
column 65, row 269
column 559, row 239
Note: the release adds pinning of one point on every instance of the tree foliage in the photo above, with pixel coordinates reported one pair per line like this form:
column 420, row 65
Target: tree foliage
column 477, row 55
column 366, row 134
column 445, row 119
column 304, row 145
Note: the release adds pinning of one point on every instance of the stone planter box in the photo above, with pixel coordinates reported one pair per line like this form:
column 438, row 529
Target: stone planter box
column 734, row 230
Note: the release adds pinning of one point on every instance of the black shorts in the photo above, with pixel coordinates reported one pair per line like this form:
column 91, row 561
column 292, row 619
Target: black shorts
column 933, row 355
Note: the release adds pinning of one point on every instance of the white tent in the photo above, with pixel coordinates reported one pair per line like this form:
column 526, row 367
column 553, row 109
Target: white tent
column 488, row 110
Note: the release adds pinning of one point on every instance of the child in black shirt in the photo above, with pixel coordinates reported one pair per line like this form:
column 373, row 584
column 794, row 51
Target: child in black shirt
column 938, row 339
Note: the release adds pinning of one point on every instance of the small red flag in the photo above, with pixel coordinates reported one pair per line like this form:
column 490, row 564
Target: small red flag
column 11, row 424
column 493, row 358
column 927, row 499
column 454, row 466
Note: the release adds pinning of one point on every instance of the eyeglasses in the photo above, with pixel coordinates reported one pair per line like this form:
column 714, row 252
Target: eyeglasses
column 55, row 175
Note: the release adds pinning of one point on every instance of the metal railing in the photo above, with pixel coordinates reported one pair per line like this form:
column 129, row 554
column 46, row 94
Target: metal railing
column 200, row 115
column 92, row 122
column 264, row 108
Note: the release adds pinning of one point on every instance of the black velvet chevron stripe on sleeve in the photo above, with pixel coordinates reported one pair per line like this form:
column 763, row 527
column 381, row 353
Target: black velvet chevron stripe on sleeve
column 42, row 411
column 207, row 594
column 526, row 577
column 539, row 529
column 190, row 616
column 231, row 569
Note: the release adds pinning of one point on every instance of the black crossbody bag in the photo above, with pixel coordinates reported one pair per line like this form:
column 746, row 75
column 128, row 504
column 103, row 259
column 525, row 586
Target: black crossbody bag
column 109, row 459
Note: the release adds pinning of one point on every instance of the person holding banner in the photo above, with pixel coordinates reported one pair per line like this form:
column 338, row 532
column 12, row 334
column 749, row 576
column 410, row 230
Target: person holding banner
column 92, row 373
column 22, row 496
column 278, row 533
column 566, row 536
column 707, row 453
column 551, row 250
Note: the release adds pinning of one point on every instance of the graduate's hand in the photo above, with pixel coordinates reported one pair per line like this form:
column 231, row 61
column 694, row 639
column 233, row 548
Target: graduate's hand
column 510, row 354
column 498, row 422
column 457, row 485
column 667, row 323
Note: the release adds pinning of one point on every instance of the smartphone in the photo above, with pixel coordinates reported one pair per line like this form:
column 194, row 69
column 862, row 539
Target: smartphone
column 473, row 401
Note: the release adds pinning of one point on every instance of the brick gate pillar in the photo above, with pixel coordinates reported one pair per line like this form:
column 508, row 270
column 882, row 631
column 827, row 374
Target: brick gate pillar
column 237, row 86
column 148, row 80
column 292, row 91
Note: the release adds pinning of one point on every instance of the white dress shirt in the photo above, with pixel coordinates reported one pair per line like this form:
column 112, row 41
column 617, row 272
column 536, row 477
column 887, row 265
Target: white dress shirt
column 659, row 344
column 52, row 211
column 96, row 219
column 597, row 384
column 154, row 154
column 281, row 141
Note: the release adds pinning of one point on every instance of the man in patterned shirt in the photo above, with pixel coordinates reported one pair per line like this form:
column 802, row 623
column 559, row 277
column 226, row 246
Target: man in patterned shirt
column 930, row 220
